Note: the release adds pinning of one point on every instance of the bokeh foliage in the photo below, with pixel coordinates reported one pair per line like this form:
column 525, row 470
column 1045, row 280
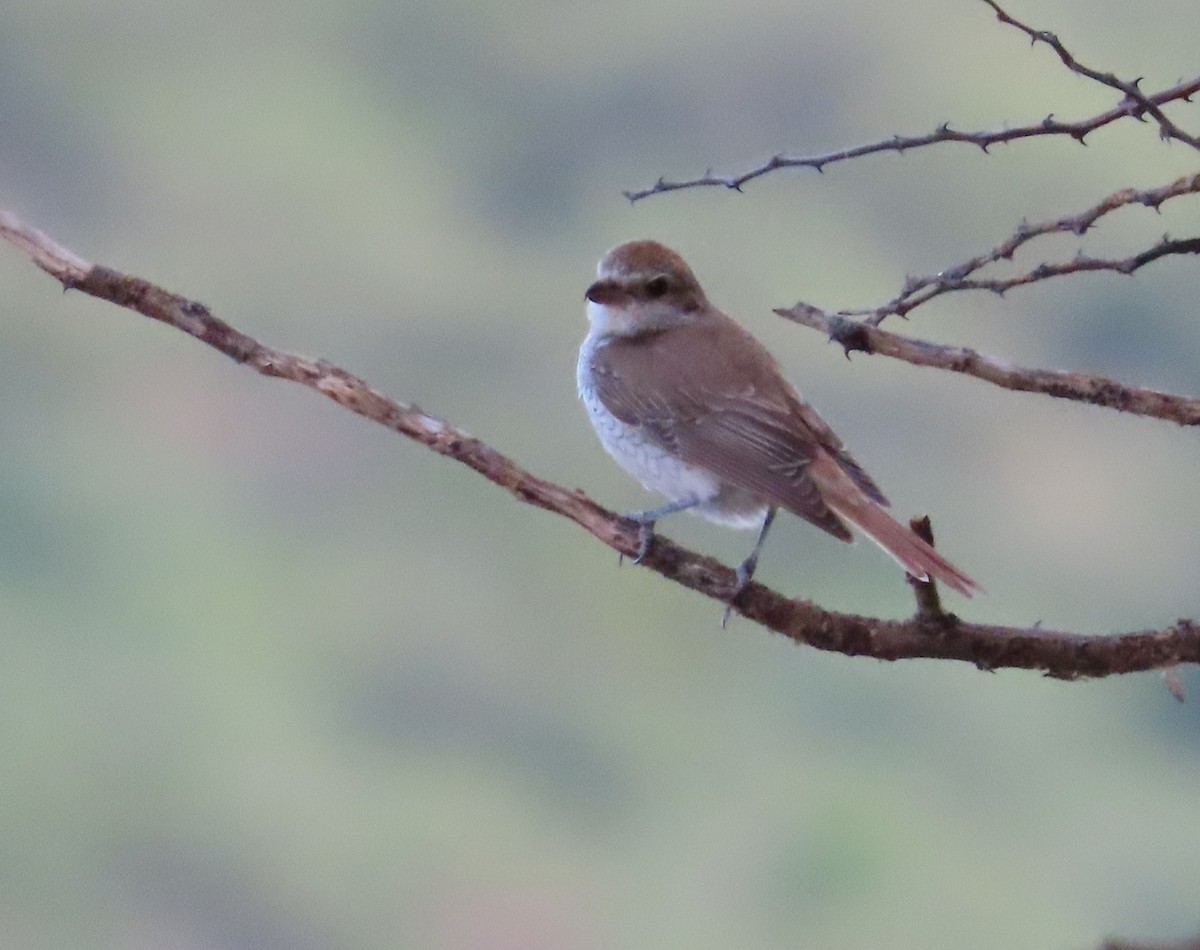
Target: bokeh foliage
column 272, row 678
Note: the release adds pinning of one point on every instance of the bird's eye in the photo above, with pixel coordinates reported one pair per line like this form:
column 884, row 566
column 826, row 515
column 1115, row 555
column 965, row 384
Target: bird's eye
column 658, row 286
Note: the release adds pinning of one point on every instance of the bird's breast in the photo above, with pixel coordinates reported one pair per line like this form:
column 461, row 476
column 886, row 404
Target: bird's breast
column 635, row 449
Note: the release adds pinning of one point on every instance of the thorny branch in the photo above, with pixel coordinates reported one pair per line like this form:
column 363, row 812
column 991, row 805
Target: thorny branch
column 919, row 290
column 1134, row 104
column 1138, row 103
column 1192, row 943
column 862, row 336
column 983, row 139
column 931, row 634
column 1078, row 264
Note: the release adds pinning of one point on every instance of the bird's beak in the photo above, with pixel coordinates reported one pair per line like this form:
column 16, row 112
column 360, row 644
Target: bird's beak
column 603, row 292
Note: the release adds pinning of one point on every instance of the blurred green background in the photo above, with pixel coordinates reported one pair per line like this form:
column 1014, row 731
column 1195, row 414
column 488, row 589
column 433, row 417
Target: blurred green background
column 271, row 677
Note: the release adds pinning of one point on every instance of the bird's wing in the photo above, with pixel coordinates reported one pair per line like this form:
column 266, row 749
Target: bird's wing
column 748, row 434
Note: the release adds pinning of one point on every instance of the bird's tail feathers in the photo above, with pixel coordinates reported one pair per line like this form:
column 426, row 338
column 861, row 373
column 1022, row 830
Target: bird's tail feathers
column 914, row 555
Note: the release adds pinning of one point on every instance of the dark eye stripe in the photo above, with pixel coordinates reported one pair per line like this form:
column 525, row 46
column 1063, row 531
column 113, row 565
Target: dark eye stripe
column 658, row 286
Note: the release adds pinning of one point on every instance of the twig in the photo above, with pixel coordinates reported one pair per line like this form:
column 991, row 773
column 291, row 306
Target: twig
column 1062, row 655
column 864, row 334
column 861, row 336
column 1192, row 943
column 929, row 602
column 1137, row 102
column 920, row 290
column 1080, row 263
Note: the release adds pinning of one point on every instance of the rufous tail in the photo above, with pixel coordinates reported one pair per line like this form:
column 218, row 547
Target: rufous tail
column 914, row 555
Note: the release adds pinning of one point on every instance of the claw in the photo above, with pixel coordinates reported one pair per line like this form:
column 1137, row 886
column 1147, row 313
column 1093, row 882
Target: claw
column 645, row 543
column 646, row 521
column 745, row 573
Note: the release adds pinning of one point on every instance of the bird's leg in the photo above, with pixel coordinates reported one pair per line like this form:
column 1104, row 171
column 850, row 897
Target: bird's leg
column 745, row 570
column 647, row 518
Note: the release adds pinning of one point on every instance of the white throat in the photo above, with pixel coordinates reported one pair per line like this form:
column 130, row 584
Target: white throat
column 606, row 320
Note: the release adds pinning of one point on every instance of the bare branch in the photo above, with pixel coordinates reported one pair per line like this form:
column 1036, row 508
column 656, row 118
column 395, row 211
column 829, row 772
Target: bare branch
column 1135, row 104
column 1189, row 944
column 864, row 337
column 920, row 290
column 1134, row 97
column 929, row 602
column 983, row 139
column 1081, row 263
column 936, row 635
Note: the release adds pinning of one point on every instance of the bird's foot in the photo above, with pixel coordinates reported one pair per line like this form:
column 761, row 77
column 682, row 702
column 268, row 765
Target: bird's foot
column 744, row 575
column 645, row 539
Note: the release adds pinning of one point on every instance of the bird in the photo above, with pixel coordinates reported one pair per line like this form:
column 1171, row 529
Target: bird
column 695, row 408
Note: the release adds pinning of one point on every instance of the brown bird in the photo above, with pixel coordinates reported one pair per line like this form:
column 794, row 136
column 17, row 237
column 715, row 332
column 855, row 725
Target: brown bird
column 697, row 410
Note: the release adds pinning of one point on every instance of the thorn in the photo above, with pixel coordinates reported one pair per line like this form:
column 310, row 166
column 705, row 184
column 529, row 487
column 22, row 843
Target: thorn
column 820, row 167
column 851, row 334
column 943, row 129
column 1170, row 678
column 1134, row 102
column 1048, row 122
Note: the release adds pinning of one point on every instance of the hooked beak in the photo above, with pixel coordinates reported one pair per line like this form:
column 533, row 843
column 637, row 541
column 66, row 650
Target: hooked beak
column 604, row 292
